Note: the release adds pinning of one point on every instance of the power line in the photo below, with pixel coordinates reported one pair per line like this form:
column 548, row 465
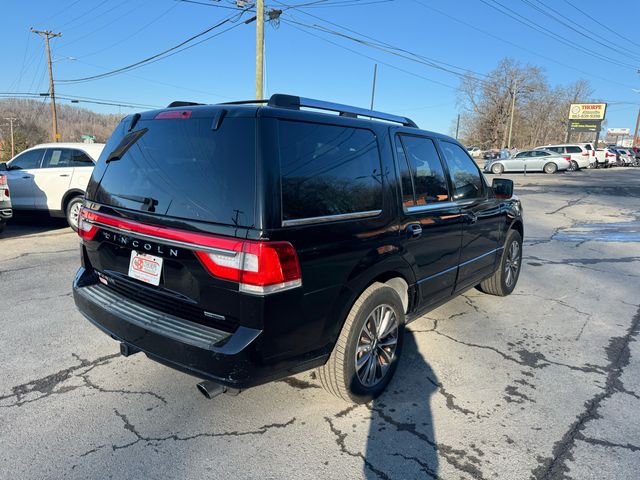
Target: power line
column 545, row 31
column 164, row 54
column 558, row 17
column 75, row 98
column 509, row 42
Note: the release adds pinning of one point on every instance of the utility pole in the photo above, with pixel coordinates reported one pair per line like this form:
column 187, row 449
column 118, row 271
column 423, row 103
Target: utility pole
column 513, row 108
column 259, row 48
column 13, row 148
column 373, row 86
column 635, row 133
column 47, row 35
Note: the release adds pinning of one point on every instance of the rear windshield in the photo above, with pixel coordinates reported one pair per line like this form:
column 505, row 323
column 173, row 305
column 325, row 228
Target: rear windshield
column 182, row 168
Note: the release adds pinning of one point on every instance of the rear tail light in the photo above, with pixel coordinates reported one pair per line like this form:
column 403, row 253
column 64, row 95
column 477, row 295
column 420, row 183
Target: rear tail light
column 259, row 267
column 6, row 192
column 585, row 154
column 86, row 230
column 568, row 158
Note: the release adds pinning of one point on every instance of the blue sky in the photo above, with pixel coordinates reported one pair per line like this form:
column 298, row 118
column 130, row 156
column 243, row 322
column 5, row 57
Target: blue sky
column 106, row 34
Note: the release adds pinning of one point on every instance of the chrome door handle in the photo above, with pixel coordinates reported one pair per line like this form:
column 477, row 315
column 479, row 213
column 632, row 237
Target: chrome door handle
column 414, row 230
column 64, row 174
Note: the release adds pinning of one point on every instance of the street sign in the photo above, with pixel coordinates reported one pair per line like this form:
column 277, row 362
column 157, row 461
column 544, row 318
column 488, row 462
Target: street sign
column 587, row 111
column 618, row 132
column 584, row 125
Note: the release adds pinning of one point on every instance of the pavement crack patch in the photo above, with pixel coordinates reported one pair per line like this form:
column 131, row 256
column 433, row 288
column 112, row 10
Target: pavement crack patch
column 569, row 203
column 606, row 443
column 618, row 354
column 298, row 383
column 30, row 254
column 89, row 383
column 423, row 465
column 449, row 397
column 46, row 386
column 130, row 427
column 340, row 441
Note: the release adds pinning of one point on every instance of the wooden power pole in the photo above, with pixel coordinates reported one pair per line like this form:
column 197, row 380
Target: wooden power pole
column 259, row 48
column 47, row 35
column 13, row 147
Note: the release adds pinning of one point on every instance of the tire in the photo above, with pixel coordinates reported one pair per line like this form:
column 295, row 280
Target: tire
column 497, row 168
column 550, row 168
column 501, row 283
column 2, row 225
column 72, row 210
column 339, row 376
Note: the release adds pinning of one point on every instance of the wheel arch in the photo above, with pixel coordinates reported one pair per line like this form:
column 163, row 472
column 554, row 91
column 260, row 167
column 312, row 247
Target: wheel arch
column 75, row 192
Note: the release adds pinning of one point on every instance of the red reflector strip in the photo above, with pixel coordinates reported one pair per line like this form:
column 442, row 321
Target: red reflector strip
column 261, row 267
column 173, row 114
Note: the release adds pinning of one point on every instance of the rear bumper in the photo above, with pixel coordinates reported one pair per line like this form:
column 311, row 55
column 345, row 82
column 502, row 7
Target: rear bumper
column 5, row 214
column 231, row 359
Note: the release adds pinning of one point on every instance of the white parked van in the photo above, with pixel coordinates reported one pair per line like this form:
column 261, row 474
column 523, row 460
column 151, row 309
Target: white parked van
column 52, row 177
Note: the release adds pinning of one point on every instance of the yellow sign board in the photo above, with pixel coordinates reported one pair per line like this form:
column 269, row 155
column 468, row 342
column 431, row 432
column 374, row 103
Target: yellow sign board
column 587, row 111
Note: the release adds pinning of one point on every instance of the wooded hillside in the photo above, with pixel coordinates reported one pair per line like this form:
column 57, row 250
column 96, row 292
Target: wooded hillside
column 33, row 125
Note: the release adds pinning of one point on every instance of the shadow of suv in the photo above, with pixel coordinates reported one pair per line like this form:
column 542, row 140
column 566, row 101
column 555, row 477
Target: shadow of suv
column 246, row 242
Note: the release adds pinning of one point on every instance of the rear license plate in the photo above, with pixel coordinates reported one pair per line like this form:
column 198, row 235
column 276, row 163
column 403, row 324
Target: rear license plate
column 145, row 267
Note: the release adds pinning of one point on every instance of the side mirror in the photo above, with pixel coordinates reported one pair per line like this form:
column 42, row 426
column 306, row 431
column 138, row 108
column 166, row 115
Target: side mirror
column 502, row 187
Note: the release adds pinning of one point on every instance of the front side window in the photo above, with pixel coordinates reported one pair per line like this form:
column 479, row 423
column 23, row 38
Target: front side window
column 542, row 154
column 27, row 160
column 466, row 178
column 57, row 158
column 425, row 170
column 328, row 170
column 574, row 150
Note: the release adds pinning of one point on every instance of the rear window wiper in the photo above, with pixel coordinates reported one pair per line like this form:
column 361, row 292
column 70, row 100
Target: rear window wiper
column 125, row 144
column 148, row 204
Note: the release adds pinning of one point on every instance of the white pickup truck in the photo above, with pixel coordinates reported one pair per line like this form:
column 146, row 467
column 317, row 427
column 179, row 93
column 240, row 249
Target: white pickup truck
column 52, row 177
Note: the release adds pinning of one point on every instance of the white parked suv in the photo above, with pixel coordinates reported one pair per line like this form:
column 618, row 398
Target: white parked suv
column 52, row 177
column 582, row 154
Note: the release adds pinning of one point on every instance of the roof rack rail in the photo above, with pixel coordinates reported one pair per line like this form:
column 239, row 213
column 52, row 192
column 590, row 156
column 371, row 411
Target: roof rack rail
column 293, row 102
column 243, row 102
column 180, row 103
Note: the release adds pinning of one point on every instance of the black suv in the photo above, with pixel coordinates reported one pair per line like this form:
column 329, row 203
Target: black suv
column 245, row 242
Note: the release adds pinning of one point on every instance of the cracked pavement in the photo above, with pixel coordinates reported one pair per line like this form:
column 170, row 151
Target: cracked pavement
column 543, row 384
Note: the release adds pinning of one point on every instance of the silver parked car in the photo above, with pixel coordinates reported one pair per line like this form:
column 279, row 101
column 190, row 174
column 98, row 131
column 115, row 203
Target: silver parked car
column 538, row 160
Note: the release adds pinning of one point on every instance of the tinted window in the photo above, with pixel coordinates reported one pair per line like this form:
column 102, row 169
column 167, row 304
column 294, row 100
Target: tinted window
column 542, row 154
column 184, row 168
column 465, row 175
column 406, row 181
column 574, row 150
column 523, row 154
column 556, row 149
column 429, row 181
column 328, row 170
column 57, row 158
column 80, row 159
column 30, row 159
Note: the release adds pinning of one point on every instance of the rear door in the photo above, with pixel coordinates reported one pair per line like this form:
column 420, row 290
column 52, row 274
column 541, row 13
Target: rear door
column 52, row 181
column 431, row 222
column 482, row 216
column 21, row 178
column 82, row 167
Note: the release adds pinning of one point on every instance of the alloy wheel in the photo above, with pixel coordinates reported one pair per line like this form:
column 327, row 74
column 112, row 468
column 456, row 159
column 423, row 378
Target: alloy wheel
column 376, row 347
column 74, row 213
column 512, row 264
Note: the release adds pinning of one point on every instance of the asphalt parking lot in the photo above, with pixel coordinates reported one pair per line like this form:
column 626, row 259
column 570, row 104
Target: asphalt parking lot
column 542, row 384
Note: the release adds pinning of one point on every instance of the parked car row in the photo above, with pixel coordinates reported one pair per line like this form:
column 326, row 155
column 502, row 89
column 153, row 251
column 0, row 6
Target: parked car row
column 51, row 178
column 5, row 202
column 561, row 157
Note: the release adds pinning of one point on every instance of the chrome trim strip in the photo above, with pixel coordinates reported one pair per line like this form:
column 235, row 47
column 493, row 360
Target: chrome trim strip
column 480, row 256
column 495, row 250
column 164, row 241
column 431, row 206
column 430, row 277
column 330, row 218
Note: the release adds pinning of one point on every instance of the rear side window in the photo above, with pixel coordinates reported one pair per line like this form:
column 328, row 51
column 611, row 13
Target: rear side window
column 182, row 168
column 556, row 149
column 466, row 178
column 57, row 158
column 328, row 170
column 26, row 160
column 80, row 159
column 574, row 150
column 427, row 182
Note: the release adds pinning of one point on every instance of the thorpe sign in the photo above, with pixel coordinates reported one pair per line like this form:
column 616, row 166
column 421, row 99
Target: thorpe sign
column 587, row 111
